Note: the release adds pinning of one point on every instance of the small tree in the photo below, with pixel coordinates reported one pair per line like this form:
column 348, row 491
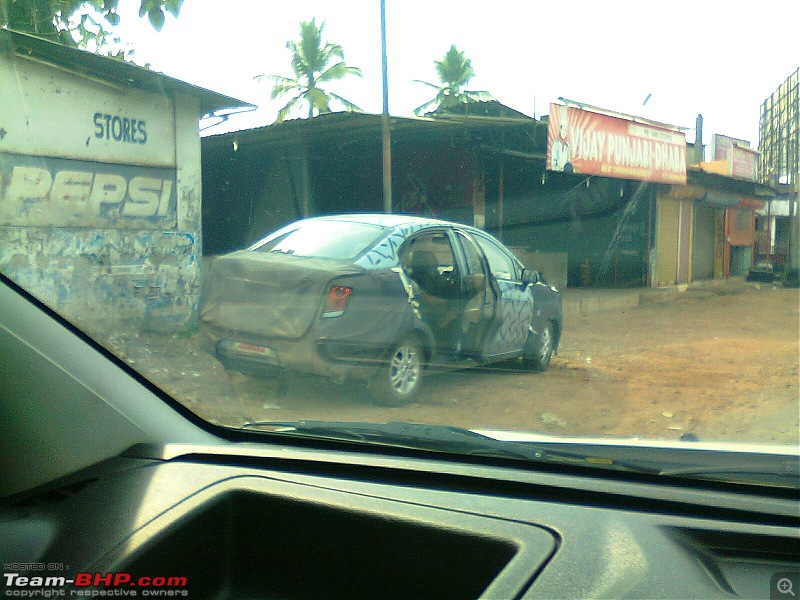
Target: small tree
column 455, row 72
column 311, row 64
column 78, row 23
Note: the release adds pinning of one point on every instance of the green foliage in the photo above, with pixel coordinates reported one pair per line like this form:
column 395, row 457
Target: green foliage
column 78, row 23
column 455, row 69
column 156, row 11
column 455, row 72
column 314, row 62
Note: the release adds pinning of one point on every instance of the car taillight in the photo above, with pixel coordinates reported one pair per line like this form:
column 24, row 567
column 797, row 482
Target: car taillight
column 336, row 301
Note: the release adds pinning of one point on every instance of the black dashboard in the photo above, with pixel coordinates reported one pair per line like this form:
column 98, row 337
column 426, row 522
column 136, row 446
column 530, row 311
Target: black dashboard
column 249, row 521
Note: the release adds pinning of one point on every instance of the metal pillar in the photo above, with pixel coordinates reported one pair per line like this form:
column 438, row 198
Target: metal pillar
column 386, row 138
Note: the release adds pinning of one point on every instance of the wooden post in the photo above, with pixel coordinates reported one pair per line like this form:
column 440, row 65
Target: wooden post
column 500, row 177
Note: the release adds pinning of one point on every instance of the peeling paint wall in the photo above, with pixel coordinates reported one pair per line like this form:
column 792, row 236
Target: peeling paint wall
column 142, row 278
column 100, row 197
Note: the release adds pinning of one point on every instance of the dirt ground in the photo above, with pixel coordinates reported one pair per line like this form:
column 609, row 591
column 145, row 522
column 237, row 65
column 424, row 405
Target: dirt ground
column 716, row 364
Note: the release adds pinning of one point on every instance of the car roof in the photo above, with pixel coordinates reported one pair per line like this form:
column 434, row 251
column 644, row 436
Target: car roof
column 384, row 220
column 384, row 253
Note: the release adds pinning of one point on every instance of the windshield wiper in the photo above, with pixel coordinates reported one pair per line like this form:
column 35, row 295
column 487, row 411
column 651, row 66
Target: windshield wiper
column 689, row 462
column 441, row 438
column 782, row 472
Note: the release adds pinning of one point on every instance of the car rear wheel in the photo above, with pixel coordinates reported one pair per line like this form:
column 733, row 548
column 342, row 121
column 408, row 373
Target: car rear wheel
column 539, row 349
column 399, row 379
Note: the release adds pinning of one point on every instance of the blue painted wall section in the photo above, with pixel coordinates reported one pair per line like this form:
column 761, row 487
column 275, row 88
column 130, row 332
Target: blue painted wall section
column 142, row 279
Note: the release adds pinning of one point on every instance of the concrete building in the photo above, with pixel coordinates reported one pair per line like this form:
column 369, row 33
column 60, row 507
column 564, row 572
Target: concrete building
column 706, row 229
column 100, row 183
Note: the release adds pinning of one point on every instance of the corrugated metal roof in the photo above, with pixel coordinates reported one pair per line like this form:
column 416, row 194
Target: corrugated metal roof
column 492, row 109
column 728, row 183
column 110, row 71
column 355, row 124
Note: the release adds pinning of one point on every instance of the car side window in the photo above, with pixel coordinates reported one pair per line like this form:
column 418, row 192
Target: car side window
column 429, row 260
column 501, row 264
column 472, row 257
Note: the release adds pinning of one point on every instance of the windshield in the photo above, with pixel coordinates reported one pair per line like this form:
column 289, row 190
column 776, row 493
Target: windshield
column 322, row 239
column 572, row 221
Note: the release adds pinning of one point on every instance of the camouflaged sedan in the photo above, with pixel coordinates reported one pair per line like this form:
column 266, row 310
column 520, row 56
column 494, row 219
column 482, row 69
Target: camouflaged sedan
column 383, row 298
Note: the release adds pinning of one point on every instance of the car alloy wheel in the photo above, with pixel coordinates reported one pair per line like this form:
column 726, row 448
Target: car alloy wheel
column 399, row 380
column 405, row 369
column 545, row 345
column 539, row 349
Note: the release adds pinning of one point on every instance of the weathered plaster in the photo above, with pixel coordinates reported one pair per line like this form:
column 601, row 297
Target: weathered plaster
column 80, row 254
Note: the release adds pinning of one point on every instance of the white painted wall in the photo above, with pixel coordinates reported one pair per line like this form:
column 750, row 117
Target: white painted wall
column 100, row 196
column 47, row 111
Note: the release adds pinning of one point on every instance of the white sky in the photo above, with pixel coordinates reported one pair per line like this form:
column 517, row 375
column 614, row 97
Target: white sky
column 712, row 57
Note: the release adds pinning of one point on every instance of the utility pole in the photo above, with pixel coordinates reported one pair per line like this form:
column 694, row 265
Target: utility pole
column 386, row 138
column 794, row 207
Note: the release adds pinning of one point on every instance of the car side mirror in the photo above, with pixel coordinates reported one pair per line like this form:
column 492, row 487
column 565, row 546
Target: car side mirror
column 529, row 276
column 473, row 284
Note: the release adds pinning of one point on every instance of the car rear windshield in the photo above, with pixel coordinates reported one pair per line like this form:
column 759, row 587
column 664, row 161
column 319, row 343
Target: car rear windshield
column 323, row 239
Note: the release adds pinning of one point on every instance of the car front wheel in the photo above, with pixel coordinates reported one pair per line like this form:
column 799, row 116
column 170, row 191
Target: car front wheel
column 539, row 349
column 399, row 379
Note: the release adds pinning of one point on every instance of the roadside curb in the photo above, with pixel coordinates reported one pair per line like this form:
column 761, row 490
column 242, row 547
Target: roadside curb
column 579, row 302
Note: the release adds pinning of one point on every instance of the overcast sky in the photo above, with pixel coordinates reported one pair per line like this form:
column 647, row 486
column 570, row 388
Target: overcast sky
column 690, row 56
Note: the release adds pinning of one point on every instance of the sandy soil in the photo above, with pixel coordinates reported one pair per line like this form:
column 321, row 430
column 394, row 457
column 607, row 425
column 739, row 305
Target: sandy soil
column 717, row 365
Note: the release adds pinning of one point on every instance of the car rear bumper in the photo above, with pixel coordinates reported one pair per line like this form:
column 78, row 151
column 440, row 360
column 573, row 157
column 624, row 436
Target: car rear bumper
column 339, row 359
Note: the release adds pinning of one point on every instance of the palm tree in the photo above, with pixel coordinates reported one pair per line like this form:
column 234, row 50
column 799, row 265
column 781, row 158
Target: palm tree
column 455, row 72
column 311, row 63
